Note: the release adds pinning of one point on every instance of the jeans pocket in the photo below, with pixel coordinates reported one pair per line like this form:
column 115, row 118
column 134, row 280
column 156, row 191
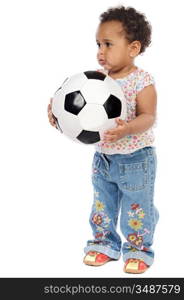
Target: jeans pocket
column 134, row 176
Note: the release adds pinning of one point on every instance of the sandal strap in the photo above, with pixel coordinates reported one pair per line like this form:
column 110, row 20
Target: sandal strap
column 133, row 265
column 96, row 258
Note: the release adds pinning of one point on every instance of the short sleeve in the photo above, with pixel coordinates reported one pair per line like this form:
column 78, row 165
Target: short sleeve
column 144, row 79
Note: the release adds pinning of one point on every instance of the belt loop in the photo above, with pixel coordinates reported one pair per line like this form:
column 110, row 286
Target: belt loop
column 149, row 150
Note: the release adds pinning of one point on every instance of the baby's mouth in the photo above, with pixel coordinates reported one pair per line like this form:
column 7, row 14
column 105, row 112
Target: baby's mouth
column 102, row 62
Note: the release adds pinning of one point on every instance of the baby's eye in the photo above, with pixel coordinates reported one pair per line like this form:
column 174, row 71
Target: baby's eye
column 98, row 45
column 108, row 44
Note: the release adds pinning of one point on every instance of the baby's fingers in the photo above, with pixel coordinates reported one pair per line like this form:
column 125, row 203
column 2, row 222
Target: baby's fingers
column 49, row 108
column 52, row 122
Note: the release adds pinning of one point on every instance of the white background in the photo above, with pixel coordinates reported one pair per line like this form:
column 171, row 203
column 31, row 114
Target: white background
column 46, row 193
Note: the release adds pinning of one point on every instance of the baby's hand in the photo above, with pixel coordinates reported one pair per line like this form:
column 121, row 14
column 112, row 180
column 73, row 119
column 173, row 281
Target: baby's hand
column 51, row 117
column 114, row 134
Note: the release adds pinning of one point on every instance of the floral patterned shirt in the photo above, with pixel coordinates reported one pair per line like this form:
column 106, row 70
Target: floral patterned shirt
column 131, row 85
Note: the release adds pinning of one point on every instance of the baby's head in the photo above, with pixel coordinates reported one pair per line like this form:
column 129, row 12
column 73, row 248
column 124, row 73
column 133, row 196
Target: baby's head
column 123, row 33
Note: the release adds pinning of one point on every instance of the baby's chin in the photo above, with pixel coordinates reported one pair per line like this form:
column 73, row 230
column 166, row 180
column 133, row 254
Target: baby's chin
column 106, row 67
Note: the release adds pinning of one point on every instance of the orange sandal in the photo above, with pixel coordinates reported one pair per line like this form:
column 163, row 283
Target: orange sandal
column 135, row 266
column 94, row 258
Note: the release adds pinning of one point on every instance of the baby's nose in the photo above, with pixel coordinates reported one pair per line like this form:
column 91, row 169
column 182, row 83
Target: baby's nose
column 101, row 52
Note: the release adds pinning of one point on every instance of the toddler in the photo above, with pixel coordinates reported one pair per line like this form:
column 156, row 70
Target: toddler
column 124, row 164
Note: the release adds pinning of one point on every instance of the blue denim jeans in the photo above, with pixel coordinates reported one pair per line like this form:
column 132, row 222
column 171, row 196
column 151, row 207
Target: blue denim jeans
column 124, row 185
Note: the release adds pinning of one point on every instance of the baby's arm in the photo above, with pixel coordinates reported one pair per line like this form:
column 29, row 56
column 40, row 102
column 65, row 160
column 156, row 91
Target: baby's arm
column 146, row 112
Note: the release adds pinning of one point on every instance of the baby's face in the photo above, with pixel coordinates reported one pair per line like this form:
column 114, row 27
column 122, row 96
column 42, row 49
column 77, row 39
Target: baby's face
column 113, row 48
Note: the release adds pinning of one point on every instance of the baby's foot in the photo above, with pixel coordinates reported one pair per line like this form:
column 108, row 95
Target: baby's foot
column 135, row 266
column 94, row 258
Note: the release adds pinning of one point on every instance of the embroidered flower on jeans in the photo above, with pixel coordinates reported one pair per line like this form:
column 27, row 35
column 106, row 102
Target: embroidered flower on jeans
column 141, row 214
column 134, row 206
column 135, row 221
column 138, row 210
column 146, row 231
column 139, row 241
column 99, row 205
column 132, row 237
column 107, row 220
column 101, row 235
column 101, row 219
column 100, row 229
column 97, row 219
column 131, row 214
column 96, row 194
column 135, row 239
column 135, row 224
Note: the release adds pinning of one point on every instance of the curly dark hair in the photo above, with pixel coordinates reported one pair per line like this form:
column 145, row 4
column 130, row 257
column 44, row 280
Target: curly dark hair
column 134, row 23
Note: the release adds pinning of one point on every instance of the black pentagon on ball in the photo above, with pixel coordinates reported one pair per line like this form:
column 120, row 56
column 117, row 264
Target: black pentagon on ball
column 95, row 75
column 113, row 107
column 74, row 102
column 89, row 137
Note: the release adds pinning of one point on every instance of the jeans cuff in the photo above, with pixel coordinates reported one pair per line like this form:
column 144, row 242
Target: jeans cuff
column 139, row 255
column 105, row 250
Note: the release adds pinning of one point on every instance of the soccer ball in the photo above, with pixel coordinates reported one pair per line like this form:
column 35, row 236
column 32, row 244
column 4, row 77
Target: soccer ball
column 86, row 105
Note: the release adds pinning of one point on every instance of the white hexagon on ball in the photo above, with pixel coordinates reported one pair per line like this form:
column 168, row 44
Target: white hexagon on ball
column 92, row 117
column 95, row 91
